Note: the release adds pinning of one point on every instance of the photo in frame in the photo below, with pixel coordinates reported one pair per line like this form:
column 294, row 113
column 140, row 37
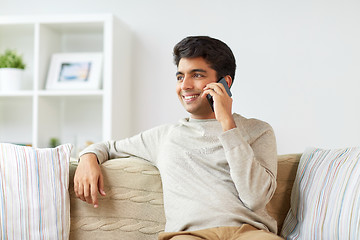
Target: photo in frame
column 75, row 71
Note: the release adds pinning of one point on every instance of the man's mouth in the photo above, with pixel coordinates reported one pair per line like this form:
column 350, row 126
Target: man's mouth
column 190, row 98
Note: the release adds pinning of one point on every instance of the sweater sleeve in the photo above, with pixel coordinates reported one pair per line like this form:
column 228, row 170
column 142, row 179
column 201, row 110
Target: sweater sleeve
column 143, row 145
column 253, row 166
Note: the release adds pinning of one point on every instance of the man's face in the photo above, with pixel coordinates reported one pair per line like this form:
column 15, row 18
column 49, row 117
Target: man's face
column 192, row 77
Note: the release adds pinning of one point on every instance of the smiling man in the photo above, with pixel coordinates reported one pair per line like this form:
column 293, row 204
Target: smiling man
column 218, row 168
column 196, row 79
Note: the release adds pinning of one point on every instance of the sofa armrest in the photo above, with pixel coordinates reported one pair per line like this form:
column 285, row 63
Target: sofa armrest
column 131, row 209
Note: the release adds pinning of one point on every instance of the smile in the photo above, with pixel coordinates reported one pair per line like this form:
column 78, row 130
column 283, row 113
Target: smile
column 190, row 98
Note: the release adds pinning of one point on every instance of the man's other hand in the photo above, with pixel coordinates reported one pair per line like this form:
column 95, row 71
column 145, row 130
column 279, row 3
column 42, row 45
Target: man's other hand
column 88, row 179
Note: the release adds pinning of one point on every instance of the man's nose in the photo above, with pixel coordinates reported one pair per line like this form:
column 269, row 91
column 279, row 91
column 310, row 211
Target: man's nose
column 187, row 83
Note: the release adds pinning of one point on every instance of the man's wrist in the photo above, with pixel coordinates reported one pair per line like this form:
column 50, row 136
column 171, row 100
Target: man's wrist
column 228, row 124
column 89, row 157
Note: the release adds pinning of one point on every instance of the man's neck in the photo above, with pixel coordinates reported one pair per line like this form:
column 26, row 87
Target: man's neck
column 203, row 117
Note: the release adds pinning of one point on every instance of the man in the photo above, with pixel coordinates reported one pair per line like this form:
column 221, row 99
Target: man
column 218, row 169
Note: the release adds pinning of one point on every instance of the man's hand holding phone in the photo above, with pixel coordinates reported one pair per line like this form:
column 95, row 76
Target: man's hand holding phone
column 219, row 97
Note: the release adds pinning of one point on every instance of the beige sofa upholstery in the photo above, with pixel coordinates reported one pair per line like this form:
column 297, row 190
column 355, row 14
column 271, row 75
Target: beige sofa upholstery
column 133, row 206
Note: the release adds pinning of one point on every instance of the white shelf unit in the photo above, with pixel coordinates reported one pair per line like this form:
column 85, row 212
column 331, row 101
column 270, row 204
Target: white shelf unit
column 34, row 115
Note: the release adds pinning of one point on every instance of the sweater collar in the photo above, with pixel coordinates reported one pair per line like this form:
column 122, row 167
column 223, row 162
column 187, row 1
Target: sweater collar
column 214, row 126
column 200, row 120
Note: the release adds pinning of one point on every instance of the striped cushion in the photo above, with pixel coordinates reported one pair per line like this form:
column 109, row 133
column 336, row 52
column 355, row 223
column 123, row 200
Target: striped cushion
column 325, row 199
column 34, row 198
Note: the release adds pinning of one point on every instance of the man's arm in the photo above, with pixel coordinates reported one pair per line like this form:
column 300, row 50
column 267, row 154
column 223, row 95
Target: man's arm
column 253, row 166
column 88, row 179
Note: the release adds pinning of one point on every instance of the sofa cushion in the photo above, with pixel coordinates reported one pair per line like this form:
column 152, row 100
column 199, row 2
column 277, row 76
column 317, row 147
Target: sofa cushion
column 34, row 198
column 325, row 199
column 279, row 205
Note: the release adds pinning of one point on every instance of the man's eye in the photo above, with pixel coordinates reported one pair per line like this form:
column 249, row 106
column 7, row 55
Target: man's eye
column 179, row 78
column 198, row 75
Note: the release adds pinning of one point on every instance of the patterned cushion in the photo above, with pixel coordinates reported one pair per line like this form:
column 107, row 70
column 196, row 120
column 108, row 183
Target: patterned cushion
column 34, row 198
column 325, row 199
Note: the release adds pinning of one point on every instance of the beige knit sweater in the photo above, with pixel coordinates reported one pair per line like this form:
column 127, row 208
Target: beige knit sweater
column 210, row 178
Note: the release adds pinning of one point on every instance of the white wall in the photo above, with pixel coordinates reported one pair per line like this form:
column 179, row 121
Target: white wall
column 298, row 61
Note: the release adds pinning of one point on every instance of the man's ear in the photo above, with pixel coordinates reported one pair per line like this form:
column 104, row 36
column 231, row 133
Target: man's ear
column 228, row 80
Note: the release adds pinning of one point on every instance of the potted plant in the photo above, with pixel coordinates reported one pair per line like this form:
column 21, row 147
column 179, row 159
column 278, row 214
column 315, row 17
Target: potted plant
column 11, row 70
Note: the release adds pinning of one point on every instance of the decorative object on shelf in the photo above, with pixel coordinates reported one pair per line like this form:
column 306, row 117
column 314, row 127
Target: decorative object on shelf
column 11, row 70
column 75, row 71
column 54, row 142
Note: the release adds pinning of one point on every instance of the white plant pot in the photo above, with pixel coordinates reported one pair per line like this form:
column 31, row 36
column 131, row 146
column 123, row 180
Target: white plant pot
column 10, row 79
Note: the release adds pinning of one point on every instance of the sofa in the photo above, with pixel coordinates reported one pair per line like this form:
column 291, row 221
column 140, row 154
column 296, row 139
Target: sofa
column 133, row 206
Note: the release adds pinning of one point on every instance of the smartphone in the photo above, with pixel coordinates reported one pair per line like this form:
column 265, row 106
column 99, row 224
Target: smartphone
column 223, row 82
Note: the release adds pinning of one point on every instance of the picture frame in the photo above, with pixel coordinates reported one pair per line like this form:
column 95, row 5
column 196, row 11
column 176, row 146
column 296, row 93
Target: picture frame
column 75, row 71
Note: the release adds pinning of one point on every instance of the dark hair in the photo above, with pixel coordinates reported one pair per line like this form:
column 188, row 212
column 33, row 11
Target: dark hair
column 215, row 52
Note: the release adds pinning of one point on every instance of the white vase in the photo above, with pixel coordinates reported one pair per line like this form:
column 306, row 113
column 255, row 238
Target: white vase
column 10, row 79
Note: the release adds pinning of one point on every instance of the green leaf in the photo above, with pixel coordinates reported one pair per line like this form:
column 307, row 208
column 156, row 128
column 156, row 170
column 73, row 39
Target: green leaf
column 10, row 59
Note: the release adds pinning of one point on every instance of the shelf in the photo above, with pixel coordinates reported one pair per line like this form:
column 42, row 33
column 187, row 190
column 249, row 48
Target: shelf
column 20, row 37
column 34, row 115
column 63, row 93
column 16, row 120
column 21, row 93
column 51, row 93
column 77, row 28
column 71, row 119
